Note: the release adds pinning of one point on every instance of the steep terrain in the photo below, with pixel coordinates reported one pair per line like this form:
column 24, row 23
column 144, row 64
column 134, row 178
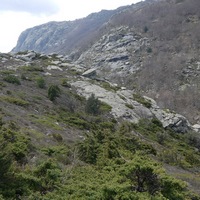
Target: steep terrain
column 60, row 127
column 151, row 46
column 106, row 107
column 64, row 37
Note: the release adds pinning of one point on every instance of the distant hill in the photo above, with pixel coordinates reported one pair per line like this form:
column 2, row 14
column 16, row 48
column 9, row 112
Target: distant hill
column 63, row 37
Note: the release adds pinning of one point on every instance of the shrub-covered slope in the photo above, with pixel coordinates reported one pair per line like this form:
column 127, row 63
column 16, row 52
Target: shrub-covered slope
column 57, row 144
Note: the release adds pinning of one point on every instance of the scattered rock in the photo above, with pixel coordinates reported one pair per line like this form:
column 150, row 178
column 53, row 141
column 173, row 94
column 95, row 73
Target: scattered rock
column 29, row 56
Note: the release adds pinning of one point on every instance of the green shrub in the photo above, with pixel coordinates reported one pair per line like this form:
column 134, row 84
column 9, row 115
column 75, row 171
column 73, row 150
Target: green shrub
column 77, row 122
column 12, row 79
column 49, row 175
column 149, row 50
column 16, row 144
column 157, row 122
column 92, row 105
column 40, row 82
column 53, row 92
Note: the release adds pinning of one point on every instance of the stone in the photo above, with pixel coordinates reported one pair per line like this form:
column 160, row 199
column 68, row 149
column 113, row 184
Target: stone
column 53, row 67
column 196, row 127
column 91, row 73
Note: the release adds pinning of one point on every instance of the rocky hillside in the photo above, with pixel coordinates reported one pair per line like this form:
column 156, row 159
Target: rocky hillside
column 154, row 50
column 151, row 46
column 58, row 125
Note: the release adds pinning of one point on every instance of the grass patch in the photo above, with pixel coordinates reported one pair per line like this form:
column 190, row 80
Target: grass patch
column 36, row 134
column 109, row 87
column 122, row 97
column 14, row 100
column 32, row 68
column 129, row 106
column 2, row 85
column 7, row 72
column 47, row 121
column 140, row 99
column 104, row 107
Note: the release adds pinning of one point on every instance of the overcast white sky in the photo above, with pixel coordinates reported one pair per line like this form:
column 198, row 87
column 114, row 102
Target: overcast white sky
column 18, row 15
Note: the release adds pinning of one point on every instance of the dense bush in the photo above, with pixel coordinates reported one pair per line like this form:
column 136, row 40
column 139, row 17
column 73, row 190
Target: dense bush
column 114, row 161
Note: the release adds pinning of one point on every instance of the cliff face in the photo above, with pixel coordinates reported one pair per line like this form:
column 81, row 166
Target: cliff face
column 63, row 37
column 151, row 47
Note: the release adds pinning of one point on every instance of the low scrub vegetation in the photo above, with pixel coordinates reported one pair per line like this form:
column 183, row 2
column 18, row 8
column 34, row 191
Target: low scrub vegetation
column 12, row 79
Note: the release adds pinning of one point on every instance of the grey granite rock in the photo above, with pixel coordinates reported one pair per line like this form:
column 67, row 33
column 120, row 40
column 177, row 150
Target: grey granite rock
column 124, row 107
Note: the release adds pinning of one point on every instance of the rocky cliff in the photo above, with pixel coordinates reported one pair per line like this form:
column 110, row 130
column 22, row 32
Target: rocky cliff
column 64, row 37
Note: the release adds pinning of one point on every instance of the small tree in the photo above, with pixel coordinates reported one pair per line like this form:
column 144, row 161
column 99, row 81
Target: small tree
column 92, row 105
column 53, row 92
column 143, row 175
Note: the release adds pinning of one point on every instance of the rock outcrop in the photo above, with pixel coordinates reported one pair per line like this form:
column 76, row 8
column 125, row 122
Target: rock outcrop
column 113, row 54
column 125, row 107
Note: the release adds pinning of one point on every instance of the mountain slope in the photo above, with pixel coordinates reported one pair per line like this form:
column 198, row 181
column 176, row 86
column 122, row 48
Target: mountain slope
column 55, row 135
column 155, row 50
column 151, row 46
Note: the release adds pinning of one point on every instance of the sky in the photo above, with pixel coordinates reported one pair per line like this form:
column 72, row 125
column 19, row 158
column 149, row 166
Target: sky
column 18, row 15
